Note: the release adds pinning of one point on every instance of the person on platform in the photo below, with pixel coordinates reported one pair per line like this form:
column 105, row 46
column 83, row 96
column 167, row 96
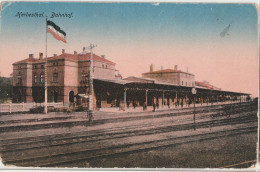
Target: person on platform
column 144, row 106
column 154, row 106
column 134, row 104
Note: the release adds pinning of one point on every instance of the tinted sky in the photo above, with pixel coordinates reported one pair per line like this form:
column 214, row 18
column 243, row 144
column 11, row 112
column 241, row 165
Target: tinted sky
column 135, row 35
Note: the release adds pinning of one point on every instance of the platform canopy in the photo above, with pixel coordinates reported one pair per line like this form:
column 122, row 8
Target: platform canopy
column 139, row 83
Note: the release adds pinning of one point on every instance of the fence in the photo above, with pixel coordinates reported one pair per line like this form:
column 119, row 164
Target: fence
column 24, row 107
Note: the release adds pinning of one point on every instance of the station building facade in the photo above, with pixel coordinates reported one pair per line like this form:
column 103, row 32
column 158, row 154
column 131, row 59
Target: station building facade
column 67, row 76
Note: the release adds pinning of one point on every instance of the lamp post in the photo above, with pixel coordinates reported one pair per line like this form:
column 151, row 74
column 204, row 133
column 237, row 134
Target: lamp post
column 194, row 91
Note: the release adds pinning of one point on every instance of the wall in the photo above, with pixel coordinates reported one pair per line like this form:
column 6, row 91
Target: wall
column 71, row 73
column 22, row 92
column 56, row 66
column 185, row 78
column 104, row 70
column 38, row 70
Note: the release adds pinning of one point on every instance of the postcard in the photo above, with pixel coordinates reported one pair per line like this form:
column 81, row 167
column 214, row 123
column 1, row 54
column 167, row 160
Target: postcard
column 129, row 85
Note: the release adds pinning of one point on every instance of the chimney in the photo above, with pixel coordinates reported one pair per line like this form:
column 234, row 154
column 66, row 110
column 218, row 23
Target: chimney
column 40, row 56
column 161, row 67
column 30, row 56
column 63, row 51
column 187, row 70
column 54, row 55
column 84, row 48
column 151, row 68
column 75, row 52
column 175, row 67
column 103, row 56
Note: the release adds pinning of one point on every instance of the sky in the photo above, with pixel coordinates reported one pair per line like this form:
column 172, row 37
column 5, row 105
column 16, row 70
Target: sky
column 135, row 35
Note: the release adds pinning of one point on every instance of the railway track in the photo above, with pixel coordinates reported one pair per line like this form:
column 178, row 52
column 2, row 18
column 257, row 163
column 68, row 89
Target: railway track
column 103, row 152
column 15, row 126
column 86, row 136
column 41, row 160
column 65, row 148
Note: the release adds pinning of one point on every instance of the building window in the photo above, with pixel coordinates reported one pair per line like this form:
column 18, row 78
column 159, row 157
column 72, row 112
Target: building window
column 103, row 66
column 42, row 78
column 55, row 77
column 42, row 66
column 84, row 77
column 35, row 78
column 106, row 66
column 186, row 83
column 19, row 79
column 34, row 66
column 181, row 82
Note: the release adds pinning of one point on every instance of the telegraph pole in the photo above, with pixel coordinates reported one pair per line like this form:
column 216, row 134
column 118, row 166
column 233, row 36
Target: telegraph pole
column 45, row 72
column 91, row 47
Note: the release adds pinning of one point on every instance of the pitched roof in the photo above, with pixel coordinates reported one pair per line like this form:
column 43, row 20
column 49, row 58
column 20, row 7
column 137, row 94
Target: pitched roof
column 64, row 56
column 138, row 79
column 116, row 81
column 95, row 57
column 28, row 60
column 167, row 71
column 78, row 57
column 206, row 85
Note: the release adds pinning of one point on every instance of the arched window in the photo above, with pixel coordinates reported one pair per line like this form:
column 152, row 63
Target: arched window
column 55, row 77
column 19, row 79
column 41, row 78
column 35, row 78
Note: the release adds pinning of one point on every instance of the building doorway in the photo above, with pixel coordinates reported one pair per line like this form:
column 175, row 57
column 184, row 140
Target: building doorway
column 19, row 97
column 55, row 96
column 71, row 97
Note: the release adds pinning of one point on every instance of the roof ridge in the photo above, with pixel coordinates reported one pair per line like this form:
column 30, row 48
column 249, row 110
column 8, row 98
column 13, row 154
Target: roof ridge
column 77, row 57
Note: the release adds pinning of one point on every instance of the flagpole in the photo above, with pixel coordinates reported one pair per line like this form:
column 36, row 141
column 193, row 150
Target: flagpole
column 45, row 71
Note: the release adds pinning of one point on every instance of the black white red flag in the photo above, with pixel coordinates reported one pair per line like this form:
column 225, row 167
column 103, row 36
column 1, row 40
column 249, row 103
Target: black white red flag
column 56, row 32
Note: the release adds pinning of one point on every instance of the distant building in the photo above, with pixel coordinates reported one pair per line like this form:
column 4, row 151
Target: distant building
column 173, row 76
column 67, row 75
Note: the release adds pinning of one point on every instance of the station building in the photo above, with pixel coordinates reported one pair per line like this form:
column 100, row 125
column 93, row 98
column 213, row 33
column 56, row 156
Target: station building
column 67, row 76
column 68, row 82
